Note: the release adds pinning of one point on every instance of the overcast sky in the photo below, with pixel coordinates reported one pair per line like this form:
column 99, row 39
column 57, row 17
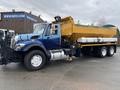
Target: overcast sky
column 87, row 11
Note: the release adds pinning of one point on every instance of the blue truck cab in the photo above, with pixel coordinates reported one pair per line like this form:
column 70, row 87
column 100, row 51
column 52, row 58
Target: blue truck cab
column 43, row 35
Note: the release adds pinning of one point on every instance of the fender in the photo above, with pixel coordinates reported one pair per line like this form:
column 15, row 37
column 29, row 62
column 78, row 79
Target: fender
column 31, row 44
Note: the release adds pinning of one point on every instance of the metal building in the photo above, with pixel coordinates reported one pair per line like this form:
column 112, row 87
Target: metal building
column 21, row 22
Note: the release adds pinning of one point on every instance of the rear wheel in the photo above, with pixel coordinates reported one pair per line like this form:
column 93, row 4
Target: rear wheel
column 102, row 51
column 34, row 60
column 111, row 51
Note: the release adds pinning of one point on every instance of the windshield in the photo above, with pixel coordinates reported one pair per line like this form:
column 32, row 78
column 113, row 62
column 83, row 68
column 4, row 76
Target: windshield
column 39, row 28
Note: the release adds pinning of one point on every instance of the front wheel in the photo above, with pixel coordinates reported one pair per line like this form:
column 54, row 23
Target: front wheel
column 34, row 60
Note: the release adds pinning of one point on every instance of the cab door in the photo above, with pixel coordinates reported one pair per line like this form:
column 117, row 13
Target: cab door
column 52, row 38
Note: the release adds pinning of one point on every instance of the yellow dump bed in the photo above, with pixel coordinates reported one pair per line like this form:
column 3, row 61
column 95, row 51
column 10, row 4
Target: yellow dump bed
column 73, row 31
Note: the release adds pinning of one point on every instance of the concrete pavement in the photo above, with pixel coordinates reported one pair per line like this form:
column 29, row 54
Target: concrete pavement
column 85, row 73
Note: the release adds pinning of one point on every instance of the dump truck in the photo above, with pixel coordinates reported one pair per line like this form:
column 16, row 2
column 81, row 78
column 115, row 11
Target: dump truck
column 61, row 39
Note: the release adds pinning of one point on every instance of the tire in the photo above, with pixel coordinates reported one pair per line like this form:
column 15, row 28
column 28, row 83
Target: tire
column 35, row 60
column 111, row 51
column 102, row 52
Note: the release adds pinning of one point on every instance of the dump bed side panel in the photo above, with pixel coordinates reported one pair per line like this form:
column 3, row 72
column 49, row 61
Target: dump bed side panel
column 73, row 31
column 67, row 29
column 94, row 31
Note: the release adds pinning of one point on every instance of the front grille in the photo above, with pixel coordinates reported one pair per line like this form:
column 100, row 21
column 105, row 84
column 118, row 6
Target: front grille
column 12, row 45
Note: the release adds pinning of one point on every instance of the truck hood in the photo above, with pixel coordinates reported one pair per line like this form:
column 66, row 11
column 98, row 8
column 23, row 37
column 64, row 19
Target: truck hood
column 24, row 37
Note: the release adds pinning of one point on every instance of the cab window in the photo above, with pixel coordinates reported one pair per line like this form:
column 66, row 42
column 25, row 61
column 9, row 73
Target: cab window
column 54, row 30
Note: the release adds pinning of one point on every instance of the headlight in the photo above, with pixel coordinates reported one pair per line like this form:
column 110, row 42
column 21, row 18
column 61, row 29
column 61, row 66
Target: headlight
column 19, row 46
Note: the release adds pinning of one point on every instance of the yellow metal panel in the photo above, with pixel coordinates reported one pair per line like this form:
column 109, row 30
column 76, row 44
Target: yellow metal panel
column 73, row 32
column 67, row 29
column 94, row 31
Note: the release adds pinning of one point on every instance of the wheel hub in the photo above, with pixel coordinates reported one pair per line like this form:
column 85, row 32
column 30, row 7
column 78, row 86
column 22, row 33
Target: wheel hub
column 104, row 52
column 111, row 50
column 36, row 60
